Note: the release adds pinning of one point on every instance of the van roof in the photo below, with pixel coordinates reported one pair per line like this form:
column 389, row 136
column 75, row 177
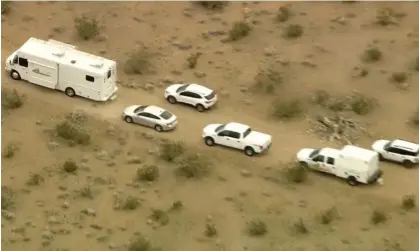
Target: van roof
column 351, row 151
column 66, row 54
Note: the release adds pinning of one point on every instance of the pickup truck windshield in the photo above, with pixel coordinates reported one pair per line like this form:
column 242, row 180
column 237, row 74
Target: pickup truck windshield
column 219, row 128
column 247, row 132
column 314, row 153
column 166, row 115
column 182, row 88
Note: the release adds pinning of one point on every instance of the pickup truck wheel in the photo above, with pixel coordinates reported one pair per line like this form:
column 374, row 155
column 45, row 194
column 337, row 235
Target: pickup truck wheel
column 249, row 151
column 200, row 108
column 70, row 92
column 128, row 119
column 172, row 100
column 408, row 163
column 209, row 141
column 352, row 181
column 15, row 75
column 158, row 128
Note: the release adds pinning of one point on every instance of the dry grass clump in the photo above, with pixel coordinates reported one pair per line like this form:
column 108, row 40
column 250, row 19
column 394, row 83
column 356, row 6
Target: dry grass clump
column 8, row 198
column 294, row 172
column 192, row 60
column 212, row 5
column 287, row 110
column 159, row 216
column 293, row 31
column 416, row 64
column 128, row 203
column 328, row 216
column 371, row 55
column 387, row 16
column 283, row 14
column 210, row 230
column 10, row 150
column 356, row 102
column 148, row 173
column 35, row 179
column 194, row 166
column 267, row 80
column 87, row 28
column 72, row 132
column 139, row 63
column 256, row 227
column 5, row 7
column 300, row 227
column 140, row 243
column 409, row 202
column 414, row 119
column 171, row 150
column 378, row 217
column 239, row 30
column 70, row 166
column 11, row 99
column 399, row 77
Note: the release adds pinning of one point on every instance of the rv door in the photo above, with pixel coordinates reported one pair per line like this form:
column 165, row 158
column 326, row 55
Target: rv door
column 44, row 75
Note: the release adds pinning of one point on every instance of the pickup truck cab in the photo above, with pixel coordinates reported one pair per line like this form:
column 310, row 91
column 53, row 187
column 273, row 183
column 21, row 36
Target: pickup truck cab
column 238, row 136
column 355, row 164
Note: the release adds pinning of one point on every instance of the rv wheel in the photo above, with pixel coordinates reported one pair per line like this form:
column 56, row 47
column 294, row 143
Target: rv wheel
column 70, row 92
column 352, row 181
column 15, row 75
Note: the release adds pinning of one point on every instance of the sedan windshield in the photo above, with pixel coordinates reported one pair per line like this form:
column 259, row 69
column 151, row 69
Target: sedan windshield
column 166, row 115
column 219, row 128
column 182, row 88
column 314, row 153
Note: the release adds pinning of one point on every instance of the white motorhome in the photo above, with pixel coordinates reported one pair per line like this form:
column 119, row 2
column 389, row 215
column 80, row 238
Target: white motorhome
column 355, row 164
column 61, row 66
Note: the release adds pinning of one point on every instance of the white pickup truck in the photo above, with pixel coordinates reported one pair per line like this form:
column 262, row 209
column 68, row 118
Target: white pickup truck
column 236, row 135
column 356, row 165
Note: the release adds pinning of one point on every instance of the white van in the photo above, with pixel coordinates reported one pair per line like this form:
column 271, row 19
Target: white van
column 61, row 66
column 355, row 164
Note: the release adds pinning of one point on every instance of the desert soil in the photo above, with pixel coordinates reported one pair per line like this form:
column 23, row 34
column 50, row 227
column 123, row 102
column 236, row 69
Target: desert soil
column 53, row 215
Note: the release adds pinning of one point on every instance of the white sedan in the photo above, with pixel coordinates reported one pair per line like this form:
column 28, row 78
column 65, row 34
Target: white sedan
column 236, row 135
column 198, row 96
column 150, row 116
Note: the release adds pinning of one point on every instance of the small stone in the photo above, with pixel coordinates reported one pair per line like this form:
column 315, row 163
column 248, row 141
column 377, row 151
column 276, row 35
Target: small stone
column 149, row 86
column 65, row 205
column 134, row 160
column 47, row 235
column 53, row 220
column 102, row 155
column 199, row 74
column 52, row 145
column 8, row 215
column 38, row 122
column 245, row 173
column 269, row 51
column 89, row 211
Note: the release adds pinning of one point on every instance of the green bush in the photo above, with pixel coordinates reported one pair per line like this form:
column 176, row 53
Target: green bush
column 70, row 166
column 286, row 110
column 11, row 99
column 160, row 217
column 72, row 132
column 283, row 14
column 361, row 104
column 140, row 243
column 148, row 173
column 398, row 77
column 193, row 166
column 293, row 31
column 171, row 150
column 239, row 30
column 409, row 202
column 86, row 28
column 378, row 217
column 372, row 54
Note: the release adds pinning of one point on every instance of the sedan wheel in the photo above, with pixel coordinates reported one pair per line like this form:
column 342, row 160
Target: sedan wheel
column 158, row 128
column 128, row 119
column 209, row 141
column 172, row 100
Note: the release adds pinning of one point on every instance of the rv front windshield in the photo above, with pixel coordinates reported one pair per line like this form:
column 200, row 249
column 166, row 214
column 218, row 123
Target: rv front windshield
column 314, row 153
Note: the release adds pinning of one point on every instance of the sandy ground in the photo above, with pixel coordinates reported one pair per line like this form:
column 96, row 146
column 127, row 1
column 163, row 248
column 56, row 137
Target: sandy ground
column 49, row 216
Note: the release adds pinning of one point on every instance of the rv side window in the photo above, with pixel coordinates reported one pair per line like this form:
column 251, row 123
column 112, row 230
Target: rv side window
column 109, row 73
column 90, row 78
column 330, row 161
column 23, row 62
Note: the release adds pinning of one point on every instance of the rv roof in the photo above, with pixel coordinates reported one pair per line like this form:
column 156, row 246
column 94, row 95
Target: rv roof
column 351, row 151
column 66, row 54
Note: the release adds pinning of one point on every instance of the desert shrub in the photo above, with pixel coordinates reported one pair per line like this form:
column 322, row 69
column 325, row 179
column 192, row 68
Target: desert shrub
column 139, row 62
column 378, row 217
column 212, row 5
column 70, row 166
column 409, row 202
column 295, row 173
column 176, row 205
column 8, row 198
column 300, row 227
column 140, row 243
column 10, row 150
column 160, row 217
column 193, row 166
column 385, row 17
column 372, row 54
column 416, row 64
column 73, row 132
column 256, row 227
column 286, row 110
column 414, row 119
column 361, row 104
column 320, row 97
column 192, row 60
column 35, row 179
column 87, row 28
column 130, row 203
column 267, row 80
column 5, row 7
column 239, row 30
column 148, row 173
column 86, row 192
column 293, row 31
column 11, row 99
column 77, row 117
column 210, row 230
column 328, row 216
column 283, row 14
column 171, row 150
column 398, row 77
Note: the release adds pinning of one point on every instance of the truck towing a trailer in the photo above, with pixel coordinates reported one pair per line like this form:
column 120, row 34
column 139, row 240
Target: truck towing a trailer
column 61, row 66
